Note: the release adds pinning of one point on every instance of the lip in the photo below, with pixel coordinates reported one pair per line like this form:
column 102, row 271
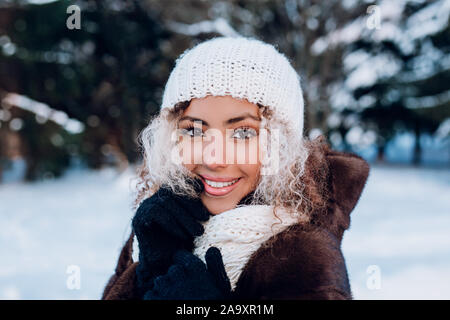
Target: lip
column 219, row 191
column 225, row 179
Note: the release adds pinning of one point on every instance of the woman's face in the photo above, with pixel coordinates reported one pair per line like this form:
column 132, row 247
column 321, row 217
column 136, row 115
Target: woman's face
column 219, row 143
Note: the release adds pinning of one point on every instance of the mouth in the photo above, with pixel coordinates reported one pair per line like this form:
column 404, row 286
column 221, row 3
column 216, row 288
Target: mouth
column 219, row 186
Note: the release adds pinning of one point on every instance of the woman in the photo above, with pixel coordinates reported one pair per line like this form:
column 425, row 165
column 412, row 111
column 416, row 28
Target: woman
column 233, row 202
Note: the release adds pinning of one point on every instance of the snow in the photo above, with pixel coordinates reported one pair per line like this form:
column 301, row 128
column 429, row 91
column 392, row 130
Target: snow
column 428, row 101
column 371, row 70
column 400, row 224
column 43, row 112
column 430, row 20
column 444, row 129
column 218, row 25
column 347, row 34
column 82, row 219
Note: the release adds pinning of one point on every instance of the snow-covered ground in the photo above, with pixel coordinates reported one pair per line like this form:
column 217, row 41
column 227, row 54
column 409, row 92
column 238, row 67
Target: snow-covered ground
column 401, row 226
column 398, row 246
column 81, row 219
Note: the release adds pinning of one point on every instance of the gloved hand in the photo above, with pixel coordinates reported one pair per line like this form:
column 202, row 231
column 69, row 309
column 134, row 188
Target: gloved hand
column 163, row 224
column 190, row 279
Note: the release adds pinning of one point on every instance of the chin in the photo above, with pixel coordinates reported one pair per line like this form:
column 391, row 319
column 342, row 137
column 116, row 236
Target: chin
column 215, row 206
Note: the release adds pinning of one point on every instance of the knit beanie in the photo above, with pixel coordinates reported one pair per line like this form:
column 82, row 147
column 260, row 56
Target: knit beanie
column 244, row 68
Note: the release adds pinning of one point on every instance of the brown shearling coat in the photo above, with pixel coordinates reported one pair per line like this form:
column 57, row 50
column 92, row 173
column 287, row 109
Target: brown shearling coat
column 304, row 261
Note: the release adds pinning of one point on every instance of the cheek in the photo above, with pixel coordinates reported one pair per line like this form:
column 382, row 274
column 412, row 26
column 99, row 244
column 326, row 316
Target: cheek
column 248, row 152
column 251, row 171
column 190, row 167
column 190, row 151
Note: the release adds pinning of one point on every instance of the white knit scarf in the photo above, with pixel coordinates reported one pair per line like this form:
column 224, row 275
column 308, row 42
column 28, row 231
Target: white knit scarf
column 239, row 232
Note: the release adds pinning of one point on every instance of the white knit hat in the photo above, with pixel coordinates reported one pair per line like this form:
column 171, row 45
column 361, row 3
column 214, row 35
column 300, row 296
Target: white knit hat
column 243, row 68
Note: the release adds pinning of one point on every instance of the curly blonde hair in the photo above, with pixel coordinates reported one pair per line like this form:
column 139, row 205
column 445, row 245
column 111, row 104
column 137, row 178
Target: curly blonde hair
column 294, row 187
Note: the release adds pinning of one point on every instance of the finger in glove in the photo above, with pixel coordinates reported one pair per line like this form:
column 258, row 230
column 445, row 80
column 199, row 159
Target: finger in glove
column 215, row 265
column 191, row 263
column 178, row 222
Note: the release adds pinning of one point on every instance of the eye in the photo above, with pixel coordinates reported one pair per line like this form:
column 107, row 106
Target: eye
column 244, row 133
column 192, row 132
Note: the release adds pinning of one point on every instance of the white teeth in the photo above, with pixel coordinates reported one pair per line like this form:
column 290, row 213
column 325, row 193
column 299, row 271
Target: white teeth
column 215, row 184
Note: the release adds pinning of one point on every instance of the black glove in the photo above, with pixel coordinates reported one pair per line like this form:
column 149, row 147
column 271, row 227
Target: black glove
column 190, row 279
column 163, row 224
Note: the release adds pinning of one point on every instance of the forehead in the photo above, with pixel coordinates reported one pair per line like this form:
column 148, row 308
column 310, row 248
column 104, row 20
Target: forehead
column 220, row 107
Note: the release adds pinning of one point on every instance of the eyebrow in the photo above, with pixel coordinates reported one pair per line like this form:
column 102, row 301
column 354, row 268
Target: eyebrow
column 229, row 121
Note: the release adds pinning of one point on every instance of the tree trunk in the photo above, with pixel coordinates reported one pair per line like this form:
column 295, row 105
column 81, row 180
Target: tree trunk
column 380, row 154
column 417, row 153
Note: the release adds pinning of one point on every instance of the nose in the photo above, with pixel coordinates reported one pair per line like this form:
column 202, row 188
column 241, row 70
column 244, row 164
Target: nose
column 214, row 152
